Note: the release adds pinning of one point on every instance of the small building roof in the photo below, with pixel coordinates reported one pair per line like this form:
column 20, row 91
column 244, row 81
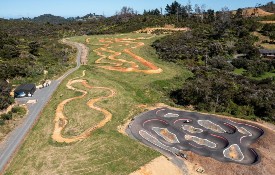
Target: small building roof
column 25, row 87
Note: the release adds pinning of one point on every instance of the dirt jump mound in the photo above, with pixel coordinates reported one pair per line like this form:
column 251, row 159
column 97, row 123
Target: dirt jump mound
column 61, row 121
column 112, row 62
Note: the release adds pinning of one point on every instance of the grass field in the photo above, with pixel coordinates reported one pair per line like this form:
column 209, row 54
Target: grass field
column 106, row 151
column 239, row 71
column 263, row 38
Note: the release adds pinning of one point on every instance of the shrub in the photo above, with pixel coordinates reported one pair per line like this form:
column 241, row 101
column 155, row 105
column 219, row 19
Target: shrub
column 7, row 116
column 18, row 110
column 2, row 122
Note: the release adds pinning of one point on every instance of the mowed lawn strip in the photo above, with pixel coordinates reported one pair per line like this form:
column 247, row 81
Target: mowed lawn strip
column 106, row 151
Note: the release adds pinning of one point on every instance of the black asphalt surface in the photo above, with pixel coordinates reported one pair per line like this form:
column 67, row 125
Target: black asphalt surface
column 16, row 137
column 230, row 137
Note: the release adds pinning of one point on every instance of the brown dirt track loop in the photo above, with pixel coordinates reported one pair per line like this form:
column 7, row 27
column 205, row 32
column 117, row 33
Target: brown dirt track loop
column 61, row 120
column 118, row 64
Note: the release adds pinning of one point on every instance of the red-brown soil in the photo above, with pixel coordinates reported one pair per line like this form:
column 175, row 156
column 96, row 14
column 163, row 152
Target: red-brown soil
column 118, row 64
column 61, row 120
column 248, row 12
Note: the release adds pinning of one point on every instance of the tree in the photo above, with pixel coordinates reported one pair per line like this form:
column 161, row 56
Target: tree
column 173, row 9
column 210, row 16
column 239, row 14
column 225, row 15
column 200, row 10
column 215, row 49
column 34, row 46
column 188, row 8
column 9, row 51
column 152, row 12
column 125, row 14
column 197, row 9
column 220, row 63
column 5, row 98
column 126, row 11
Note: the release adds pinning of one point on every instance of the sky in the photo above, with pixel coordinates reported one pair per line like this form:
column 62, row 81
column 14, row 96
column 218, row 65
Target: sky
column 73, row 8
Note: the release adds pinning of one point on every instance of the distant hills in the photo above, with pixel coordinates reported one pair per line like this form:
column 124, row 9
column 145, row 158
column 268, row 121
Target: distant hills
column 52, row 19
column 267, row 10
column 48, row 18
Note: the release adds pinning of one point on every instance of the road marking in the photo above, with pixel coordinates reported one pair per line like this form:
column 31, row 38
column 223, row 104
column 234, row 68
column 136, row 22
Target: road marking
column 171, row 115
column 226, row 152
column 206, row 123
column 198, row 140
column 156, row 142
column 163, row 121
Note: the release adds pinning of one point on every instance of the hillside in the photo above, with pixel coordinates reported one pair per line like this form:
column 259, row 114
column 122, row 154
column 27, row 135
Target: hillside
column 269, row 7
column 48, row 18
column 254, row 12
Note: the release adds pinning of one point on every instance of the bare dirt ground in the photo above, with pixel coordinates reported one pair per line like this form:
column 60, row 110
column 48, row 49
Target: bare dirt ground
column 88, row 40
column 165, row 29
column 265, row 147
column 61, row 120
column 267, row 22
column 122, row 65
column 254, row 12
column 158, row 166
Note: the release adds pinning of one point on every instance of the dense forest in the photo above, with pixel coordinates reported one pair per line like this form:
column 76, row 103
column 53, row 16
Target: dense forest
column 209, row 50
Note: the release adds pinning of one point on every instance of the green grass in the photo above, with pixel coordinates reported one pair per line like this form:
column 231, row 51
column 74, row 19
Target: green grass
column 264, row 38
column 106, row 151
column 268, row 46
column 239, row 71
column 265, row 75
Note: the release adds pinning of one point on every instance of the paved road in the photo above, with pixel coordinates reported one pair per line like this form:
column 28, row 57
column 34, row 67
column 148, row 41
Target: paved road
column 171, row 132
column 16, row 137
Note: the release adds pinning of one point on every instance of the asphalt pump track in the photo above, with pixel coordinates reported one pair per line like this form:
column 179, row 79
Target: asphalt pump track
column 175, row 131
column 61, row 121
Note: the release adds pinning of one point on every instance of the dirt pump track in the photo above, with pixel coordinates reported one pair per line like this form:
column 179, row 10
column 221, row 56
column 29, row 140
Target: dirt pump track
column 61, row 120
column 117, row 64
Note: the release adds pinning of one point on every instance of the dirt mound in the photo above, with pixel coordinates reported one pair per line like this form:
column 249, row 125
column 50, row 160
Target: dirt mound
column 267, row 22
column 163, row 30
column 249, row 12
column 158, row 166
column 61, row 120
